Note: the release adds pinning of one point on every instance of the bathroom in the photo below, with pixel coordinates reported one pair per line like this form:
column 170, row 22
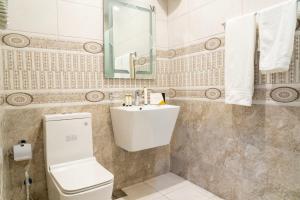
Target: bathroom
column 192, row 141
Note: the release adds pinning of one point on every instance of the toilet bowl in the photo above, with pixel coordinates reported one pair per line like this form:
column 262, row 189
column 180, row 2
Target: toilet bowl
column 73, row 173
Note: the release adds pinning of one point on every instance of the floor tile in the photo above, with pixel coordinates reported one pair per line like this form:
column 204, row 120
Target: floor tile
column 162, row 198
column 186, row 194
column 198, row 189
column 141, row 191
column 167, row 187
column 167, row 183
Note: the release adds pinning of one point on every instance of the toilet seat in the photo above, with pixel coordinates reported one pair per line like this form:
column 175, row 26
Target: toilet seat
column 80, row 176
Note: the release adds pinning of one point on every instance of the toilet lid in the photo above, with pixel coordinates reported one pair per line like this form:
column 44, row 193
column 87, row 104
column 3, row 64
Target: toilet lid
column 78, row 176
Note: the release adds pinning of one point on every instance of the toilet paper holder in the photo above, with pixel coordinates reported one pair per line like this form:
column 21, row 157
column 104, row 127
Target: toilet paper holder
column 22, row 151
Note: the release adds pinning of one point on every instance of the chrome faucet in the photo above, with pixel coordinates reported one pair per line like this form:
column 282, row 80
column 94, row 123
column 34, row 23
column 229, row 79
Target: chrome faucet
column 137, row 97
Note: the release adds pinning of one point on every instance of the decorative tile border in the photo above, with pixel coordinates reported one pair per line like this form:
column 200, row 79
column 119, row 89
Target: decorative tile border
column 284, row 95
column 213, row 44
column 95, row 96
column 45, row 43
column 208, row 45
column 281, row 94
column 93, row 47
column 47, row 64
column 19, row 99
column 213, row 93
column 16, row 40
column 203, row 93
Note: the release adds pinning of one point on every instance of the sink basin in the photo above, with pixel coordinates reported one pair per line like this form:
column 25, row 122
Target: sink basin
column 143, row 127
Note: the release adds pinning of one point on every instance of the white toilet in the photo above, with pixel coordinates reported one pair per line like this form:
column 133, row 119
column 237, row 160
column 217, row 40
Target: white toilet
column 72, row 171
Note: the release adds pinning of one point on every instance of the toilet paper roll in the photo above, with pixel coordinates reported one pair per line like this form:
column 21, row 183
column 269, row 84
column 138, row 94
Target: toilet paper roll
column 22, row 152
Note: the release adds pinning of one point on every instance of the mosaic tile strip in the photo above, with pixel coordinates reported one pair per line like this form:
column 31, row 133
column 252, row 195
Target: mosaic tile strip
column 207, row 69
column 35, row 70
column 202, row 69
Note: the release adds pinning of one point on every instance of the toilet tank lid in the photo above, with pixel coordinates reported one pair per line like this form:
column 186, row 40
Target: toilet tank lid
column 67, row 116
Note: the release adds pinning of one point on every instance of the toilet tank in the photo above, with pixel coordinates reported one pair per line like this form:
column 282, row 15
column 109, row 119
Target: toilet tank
column 67, row 137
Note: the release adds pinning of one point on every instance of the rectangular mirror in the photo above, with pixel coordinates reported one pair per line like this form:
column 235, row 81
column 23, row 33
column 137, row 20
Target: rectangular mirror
column 129, row 39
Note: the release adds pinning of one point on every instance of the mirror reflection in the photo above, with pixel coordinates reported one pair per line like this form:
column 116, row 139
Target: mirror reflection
column 129, row 39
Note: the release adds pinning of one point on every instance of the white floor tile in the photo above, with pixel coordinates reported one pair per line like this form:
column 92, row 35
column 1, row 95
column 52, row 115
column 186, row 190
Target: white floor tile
column 186, row 193
column 167, row 187
column 162, row 198
column 167, row 183
column 141, row 191
column 198, row 189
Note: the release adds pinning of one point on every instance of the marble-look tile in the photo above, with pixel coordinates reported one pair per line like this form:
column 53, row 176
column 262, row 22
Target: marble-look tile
column 238, row 153
column 128, row 168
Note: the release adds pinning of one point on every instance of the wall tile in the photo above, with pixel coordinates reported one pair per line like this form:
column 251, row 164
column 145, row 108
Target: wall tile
column 161, row 9
column 38, row 16
column 194, row 4
column 128, row 168
column 79, row 21
column 255, row 5
column 94, row 3
column 176, row 8
column 179, row 33
column 217, row 147
column 207, row 20
column 162, row 40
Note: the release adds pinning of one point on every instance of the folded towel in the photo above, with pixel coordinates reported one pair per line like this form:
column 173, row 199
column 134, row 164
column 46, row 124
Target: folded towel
column 277, row 26
column 240, row 40
column 122, row 63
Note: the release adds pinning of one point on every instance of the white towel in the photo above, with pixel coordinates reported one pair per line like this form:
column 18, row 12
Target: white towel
column 276, row 36
column 240, row 40
column 122, row 63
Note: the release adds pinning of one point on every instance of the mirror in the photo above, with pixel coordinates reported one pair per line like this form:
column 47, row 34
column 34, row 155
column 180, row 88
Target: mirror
column 129, row 42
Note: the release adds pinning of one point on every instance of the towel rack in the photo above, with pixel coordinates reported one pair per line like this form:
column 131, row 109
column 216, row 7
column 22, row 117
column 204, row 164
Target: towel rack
column 255, row 13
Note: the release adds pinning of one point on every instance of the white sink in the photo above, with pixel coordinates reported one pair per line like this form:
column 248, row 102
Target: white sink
column 143, row 127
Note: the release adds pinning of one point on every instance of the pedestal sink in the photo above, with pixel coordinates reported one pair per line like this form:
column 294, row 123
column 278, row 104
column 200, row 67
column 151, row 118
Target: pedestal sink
column 143, row 127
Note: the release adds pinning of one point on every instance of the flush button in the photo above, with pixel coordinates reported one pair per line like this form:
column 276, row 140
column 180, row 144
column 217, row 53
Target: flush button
column 71, row 138
column 85, row 123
